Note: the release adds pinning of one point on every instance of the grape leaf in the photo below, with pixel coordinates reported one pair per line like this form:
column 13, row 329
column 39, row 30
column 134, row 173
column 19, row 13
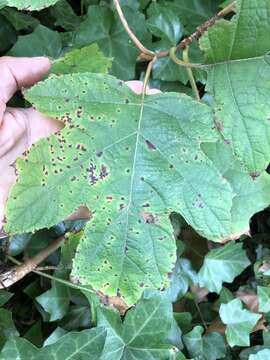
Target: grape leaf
column 264, row 298
column 127, row 172
column 251, row 194
column 143, row 334
column 238, row 78
column 230, row 260
column 102, row 26
column 84, row 345
column 208, row 347
column 30, row 4
column 86, row 59
column 240, row 322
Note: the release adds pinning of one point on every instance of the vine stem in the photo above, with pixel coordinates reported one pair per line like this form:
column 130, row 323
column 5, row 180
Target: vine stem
column 15, row 274
column 131, row 34
column 148, row 55
column 192, row 81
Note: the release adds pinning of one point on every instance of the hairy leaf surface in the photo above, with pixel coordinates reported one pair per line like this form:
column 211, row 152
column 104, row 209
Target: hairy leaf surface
column 239, row 79
column 132, row 165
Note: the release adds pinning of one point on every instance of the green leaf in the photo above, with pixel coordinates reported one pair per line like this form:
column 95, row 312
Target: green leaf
column 19, row 20
column 251, row 194
column 192, row 13
column 102, row 26
column 208, row 347
column 30, row 4
column 143, row 333
column 164, row 24
column 7, row 34
column 230, row 260
column 240, row 322
column 84, row 345
column 77, row 318
column 64, row 15
column 264, row 298
column 130, row 179
column 261, row 355
column 55, row 336
column 238, row 78
column 55, row 301
column 7, row 327
column 86, row 59
column 4, row 297
column 41, row 42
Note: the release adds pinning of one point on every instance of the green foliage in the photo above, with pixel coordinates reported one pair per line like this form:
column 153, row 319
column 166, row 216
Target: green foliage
column 144, row 333
column 207, row 347
column 230, row 260
column 238, row 74
column 240, row 322
column 162, row 175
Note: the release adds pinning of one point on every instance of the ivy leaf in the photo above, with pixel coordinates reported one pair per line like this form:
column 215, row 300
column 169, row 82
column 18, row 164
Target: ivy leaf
column 4, row 297
column 55, row 301
column 132, row 179
column 86, row 59
column 102, row 26
column 192, row 13
column 41, row 42
column 30, row 5
column 240, row 322
column 230, row 260
column 264, row 298
column 7, row 327
column 19, row 20
column 143, row 333
column 208, row 347
column 84, row 345
column 261, row 355
column 164, row 24
column 238, row 79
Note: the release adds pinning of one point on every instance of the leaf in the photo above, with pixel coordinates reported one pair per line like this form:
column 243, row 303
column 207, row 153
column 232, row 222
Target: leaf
column 55, row 301
column 131, row 179
column 261, row 355
column 4, row 297
column 230, row 260
column 19, row 20
column 41, row 42
column 238, row 78
column 182, row 277
column 143, row 333
column 7, row 34
column 164, row 24
column 84, row 345
column 30, row 5
column 86, row 59
column 192, row 13
column 251, row 194
column 77, row 318
column 55, row 336
column 240, row 322
column 264, row 298
column 7, row 327
column 206, row 347
column 102, row 26
column 64, row 16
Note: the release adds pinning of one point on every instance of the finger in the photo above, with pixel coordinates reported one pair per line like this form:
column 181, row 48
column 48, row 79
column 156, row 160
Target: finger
column 137, row 87
column 19, row 72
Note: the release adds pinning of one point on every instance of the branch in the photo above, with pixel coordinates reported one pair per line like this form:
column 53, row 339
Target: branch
column 201, row 29
column 12, row 276
column 132, row 36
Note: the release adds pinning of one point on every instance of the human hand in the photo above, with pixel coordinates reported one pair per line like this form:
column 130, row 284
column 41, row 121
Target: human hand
column 20, row 128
